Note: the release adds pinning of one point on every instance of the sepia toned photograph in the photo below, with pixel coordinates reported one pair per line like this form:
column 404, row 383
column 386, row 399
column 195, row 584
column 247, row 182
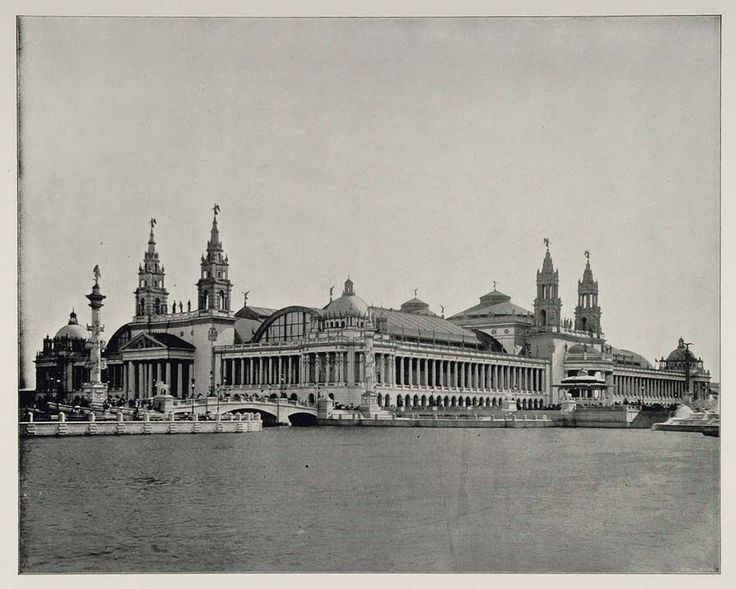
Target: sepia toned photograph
column 369, row 295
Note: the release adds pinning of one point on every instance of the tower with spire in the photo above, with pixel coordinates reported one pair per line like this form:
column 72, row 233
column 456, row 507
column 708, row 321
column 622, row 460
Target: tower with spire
column 547, row 305
column 214, row 286
column 588, row 312
column 150, row 296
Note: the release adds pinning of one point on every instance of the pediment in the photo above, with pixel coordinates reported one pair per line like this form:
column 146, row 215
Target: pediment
column 142, row 341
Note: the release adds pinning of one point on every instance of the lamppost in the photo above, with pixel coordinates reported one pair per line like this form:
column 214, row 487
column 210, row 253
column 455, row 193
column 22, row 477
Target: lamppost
column 58, row 392
column 192, row 397
column 210, row 392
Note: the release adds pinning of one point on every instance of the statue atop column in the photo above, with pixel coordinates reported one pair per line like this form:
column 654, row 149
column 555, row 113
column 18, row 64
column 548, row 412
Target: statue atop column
column 95, row 390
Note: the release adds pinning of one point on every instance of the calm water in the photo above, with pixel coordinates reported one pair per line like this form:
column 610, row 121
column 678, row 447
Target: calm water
column 373, row 500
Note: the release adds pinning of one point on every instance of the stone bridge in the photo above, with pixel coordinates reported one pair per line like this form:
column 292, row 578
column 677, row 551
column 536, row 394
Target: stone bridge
column 272, row 410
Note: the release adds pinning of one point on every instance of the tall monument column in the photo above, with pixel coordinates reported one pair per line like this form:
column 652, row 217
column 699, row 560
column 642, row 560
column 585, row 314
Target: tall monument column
column 95, row 391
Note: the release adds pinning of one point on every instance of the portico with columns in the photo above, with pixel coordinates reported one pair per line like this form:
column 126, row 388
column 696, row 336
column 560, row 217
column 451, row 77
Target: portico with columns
column 152, row 358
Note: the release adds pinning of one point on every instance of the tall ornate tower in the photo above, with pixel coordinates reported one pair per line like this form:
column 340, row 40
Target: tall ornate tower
column 587, row 312
column 547, row 305
column 214, row 286
column 150, row 296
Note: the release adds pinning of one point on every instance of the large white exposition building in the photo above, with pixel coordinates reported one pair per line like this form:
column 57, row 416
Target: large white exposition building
column 409, row 356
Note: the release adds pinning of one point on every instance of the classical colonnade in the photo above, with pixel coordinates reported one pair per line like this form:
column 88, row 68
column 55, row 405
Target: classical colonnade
column 644, row 387
column 349, row 367
column 137, row 378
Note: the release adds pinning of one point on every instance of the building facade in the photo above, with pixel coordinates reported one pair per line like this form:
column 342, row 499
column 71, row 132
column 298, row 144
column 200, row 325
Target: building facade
column 410, row 357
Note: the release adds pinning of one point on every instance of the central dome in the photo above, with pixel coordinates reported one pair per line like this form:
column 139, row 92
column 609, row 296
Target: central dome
column 72, row 330
column 348, row 305
column 681, row 353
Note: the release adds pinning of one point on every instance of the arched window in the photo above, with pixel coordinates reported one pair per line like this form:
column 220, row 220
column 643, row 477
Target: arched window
column 221, row 300
column 142, row 307
column 543, row 315
column 157, row 306
column 205, row 300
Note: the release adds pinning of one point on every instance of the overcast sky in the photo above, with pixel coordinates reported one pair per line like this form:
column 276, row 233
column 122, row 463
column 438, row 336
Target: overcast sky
column 430, row 153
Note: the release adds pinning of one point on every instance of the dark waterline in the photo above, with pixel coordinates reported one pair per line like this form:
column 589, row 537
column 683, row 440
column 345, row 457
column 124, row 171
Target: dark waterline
column 373, row 500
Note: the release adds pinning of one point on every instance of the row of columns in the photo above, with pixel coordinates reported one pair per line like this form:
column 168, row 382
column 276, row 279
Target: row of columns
column 435, row 373
column 644, row 387
column 348, row 368
column 262, row 370
column 141, row 376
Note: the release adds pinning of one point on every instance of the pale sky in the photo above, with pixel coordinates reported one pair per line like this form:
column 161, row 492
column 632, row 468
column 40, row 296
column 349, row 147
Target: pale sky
column 430, row 153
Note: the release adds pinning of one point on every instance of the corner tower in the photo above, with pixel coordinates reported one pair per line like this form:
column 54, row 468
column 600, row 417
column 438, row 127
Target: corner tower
column 547, row 305
column 587, row 312
column 150, row 296
column 214, row 286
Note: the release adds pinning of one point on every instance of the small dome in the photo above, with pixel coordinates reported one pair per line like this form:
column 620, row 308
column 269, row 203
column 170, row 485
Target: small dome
column 577, row 349
column 348, row 305
column 72, row 329
column 681, row 354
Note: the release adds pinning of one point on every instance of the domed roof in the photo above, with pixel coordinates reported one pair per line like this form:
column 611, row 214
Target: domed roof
column 349, row 304
column 681, row 353
column 72, row 329
column 415, row 305
column 578, row 349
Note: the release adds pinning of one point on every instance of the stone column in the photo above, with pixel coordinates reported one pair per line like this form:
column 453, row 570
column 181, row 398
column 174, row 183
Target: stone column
column 168, row 374
column 129, row 380
column 411, row 371
column 177, row 364
column 143, row 388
